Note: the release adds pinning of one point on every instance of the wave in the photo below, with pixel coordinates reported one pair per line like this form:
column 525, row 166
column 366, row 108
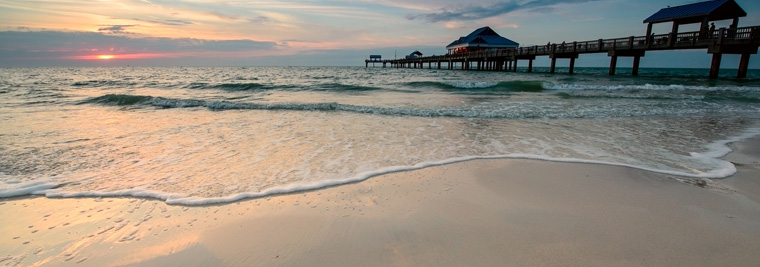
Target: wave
column 332, row 87
column 701, row 96
column 17, row 188
column 100, row 83
column 338, row 87
column 732, row 96
column 577, row 95
column 507, row 86
column 230, row 86
column 520, row 110
column 649, row 87
column 51, row 189
column 161, row 102
column 118, row 100
column 54, row 189
column 656, row 92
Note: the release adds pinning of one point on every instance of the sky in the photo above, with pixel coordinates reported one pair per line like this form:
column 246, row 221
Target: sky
column 316, row 32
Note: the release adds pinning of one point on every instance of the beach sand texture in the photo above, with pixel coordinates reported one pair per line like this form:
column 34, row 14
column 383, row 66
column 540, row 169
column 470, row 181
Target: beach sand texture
column 476, row 213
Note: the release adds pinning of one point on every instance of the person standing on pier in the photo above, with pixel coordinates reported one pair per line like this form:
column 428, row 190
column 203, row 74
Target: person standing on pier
column 712, row 29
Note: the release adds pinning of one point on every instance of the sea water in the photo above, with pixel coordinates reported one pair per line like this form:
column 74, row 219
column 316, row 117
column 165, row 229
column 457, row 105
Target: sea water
column 219, row 134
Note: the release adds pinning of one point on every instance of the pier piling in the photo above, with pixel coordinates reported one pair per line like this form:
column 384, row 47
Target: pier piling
column 743, row 65
column 715, row 65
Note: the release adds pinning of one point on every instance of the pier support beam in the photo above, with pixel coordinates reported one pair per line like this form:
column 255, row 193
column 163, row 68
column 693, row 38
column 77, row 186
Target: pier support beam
column 530, row 65
column 530, row 59
column 715, row 65
column 572, row 65
column 635, row 70
column 745, row 50
column 571, row 56
column 613, row 64
column 636, row 54
column 554, row 65
column 743, row 65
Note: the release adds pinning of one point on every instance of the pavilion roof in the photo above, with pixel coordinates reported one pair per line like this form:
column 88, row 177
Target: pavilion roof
column 485, row 36
column 696, row 12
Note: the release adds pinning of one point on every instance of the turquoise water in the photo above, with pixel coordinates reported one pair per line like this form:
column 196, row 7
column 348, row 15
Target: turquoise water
column 209, row 135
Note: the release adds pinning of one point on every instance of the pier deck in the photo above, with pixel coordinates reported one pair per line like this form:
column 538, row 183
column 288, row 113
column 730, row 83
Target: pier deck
column 743, row 41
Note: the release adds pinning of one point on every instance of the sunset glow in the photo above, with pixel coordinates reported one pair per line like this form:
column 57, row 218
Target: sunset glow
column 106, row 57
column 277, row 32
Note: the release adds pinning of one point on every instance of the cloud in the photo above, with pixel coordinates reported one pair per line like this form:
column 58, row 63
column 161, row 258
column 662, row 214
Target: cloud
column 115, row 29
column 30, row 45
column 168, row 22
column 474, row 12
column 260, row 19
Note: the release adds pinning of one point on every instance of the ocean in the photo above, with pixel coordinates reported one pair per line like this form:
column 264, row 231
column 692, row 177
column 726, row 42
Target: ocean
column 206, row 135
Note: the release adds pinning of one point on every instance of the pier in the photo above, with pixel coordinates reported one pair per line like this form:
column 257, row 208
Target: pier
column 743, row 41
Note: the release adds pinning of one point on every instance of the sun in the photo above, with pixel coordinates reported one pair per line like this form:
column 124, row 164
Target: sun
column 105, row 56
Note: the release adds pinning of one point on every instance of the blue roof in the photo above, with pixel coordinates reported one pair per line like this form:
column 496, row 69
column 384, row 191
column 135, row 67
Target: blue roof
column 484, row 35
column 715, row 9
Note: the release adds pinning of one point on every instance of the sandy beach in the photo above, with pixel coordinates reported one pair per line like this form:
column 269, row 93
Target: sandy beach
column 475, row 213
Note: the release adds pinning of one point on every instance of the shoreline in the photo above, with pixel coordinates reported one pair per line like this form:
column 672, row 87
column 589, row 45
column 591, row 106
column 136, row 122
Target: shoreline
column 477, row 212
column 718, row 150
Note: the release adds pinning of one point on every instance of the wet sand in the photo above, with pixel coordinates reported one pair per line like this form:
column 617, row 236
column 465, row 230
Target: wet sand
column 482, row 212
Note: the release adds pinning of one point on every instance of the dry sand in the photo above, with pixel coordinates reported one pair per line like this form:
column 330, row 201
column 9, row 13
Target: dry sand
column 477, row 213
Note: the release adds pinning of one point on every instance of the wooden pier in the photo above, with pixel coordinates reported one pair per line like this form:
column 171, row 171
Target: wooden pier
column 743, row 41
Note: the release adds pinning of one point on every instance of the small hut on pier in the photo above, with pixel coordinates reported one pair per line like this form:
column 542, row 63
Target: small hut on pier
column 481, row 39
column 414, row 54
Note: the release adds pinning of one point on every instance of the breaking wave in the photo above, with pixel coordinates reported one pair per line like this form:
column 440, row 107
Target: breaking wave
column 482, row 87
column 515, row 110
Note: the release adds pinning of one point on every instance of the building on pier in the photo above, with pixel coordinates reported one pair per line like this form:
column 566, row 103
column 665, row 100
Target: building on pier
column 480, row 40
column 414, row 55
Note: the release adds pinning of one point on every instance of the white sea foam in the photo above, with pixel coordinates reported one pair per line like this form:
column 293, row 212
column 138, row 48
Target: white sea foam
column 142, row 193
column 716, row 149
column 17, row 188
column 718, row 169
